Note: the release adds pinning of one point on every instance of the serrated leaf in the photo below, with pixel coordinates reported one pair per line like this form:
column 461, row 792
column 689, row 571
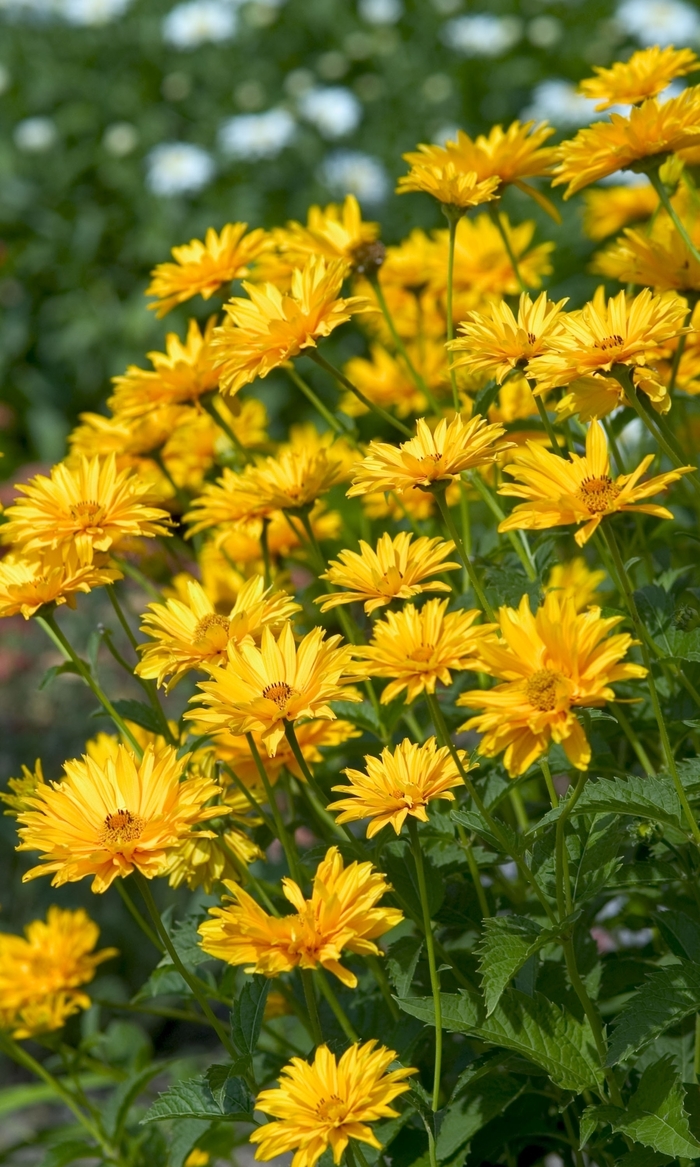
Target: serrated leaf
column 647, row 798
column 478, row 1105
column 401, row 961
column 228, row 1090
column 643, row 1157
column 139, row 713
column 361, row 714
column 655, row 1115
column 681, row 645
column 473, row 821
column 533, row 1027
column 164, row 981
column 116, row 1110
column 681, row 933
column 247, row 1014
column 193, row 1098
column 507, row 943
column 663, row 1000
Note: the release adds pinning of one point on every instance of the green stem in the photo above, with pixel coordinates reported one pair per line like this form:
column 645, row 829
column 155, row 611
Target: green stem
column 331, row 421
column 138, row 577
column 136, row 915
column 675, row 365
column 336, row 1008
column 627, row 592
column 696, row 1057
column 612, row 442
column 553, row 796
column 246, row 876
column 453, row 215
column 657, row 428
column 314, row 355
column 673, row 215
column 148, row 686
column 564, row 902
column 516, row 801
column 320, row 798
column 180, row 495
column 439, row 496
column 518, row 539
column 374, row 964
column 250, row 796
column 547, row 423
column 313, row 541
column 48, row 623
column 432, row 963
column 207, row 404
column 474, row 872
column 633, row 740
column 191, row 981
column 307, row 981
column 401, row 347
column 282, row 834
column 495, row 217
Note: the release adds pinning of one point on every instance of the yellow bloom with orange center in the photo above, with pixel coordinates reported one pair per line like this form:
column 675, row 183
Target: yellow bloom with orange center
column 328, row 1103
column 419, row 647
column 496, row 342
column 261, row 689
column 179, row 376
column 579, row 489
column 652, row 131
column 550, row 663
column 447, row 183
column 193, row 635
column 645, row 74
column 42, row 971
column 575, row 581
column 270, row 327
column 29, row 582
column 242, row 542
column 610, row 208
column 19, row 790
column 656, row 256
column 226, row 504
column 90, row 506
column 126, row 437
column 294, row 478
column 341, row 915
column 312, row 736
column 109, row 820
column 432, row 458
column 398, row 569
column 399, row 783
column 201, row 268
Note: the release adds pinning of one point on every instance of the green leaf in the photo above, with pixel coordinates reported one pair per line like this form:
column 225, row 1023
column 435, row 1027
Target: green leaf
column 116, row 1110
column 479, row 1104
column 681, row 933
column 473, row 821
column 646, row 798
column 186, row 1133
column 655, row 1115
column 507, row 943
column 663, row 1000
column 682, row 645
column 643, row 1157
column 164, row 981
column 362, row 715
column 229, row 1092
column 401, row 962
column 194, row 1098
column 139, row 713
column 400, row 867
column 533, row 1027
column 56, row 671
column 247, row 1014
column 486, row 397
column 65, row 1154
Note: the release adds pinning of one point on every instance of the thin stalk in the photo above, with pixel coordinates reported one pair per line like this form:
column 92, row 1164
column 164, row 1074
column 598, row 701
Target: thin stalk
column 246, row 876
column 633, row 740
column 303, row 765
column 675, row 364
column 151, row 1011
column 474, row 872
column 208, row 405
column 453, row 216
column 331, row 421
column 250, row 796
column 439, row 496
column 148, row 686
column 418, row 380
column 191, row 981
column 547, row 774
column 627, row 592
column 464, row 515
column 495, row 216
column 336, row 1008
column 671, row 211
column 48, row 623
column 180, row 495
column 307, row 981
column 374, row 964
column 314, row 355
column 547, row 423
column 518, row 539
column 136, row 915
column 696, row 1057
column 313, row 541
column 516, row 801
column 121, row 616
column 138, row 577
column 564, row 901
column 327, row 826
column 656, row 428
column 612, row 442
column 282, row 834
column 432, row 963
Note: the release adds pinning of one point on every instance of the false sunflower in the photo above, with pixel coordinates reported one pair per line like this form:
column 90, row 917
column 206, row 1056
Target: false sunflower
column 575, row 581
column 180, row 375
column 495, row 341
column 201, row 268
column 29, row 582
column 398, row 569
column 645, row 74
column 656, row 257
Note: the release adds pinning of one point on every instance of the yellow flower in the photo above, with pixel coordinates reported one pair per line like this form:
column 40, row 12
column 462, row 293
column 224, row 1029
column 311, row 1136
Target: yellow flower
column 399, row 783
column 294, row 478
column 496, row 342
column 431, row 458
column 192, row 635
column 494, row 161
column 575, row 581
column 651, row 131
column 260, row 689
column 90, row 506
column 42, row 971
column 610, row 208
column 418, row 648
column 203, row 267
column 312, row 736
column 104, row 746
column 329, row 1102
column 579, row 489
column 20, row 790
column 109, row 820
column 342, row 915
column 645, row 74
column 269, row 328
column 385, row 380
column 202, row 862
column 197, row 1158
column 226, row 503
column 333, row 232
column 128, row 438
column 180, row 375
column 550, row 663
column 49, row 577
column 396, row 570
column 408, row 263
column 656, row 256
column 447, row 183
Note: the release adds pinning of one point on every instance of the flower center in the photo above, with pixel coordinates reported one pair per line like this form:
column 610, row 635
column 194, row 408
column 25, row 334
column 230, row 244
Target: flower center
column 542, row 690
column 422, row 653
column 122, row 827
column 598, row 494
column 86, row 514
column 428, row 461
column 532, row 338
column 331, row 1109
column 215, row 629
column 607, row 342
column 279, row 692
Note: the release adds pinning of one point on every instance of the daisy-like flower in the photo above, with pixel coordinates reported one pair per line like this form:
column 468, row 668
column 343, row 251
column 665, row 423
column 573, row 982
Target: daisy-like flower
column 610, row 208
column 334, row 232
column 129, row 438
column 90, row 506
column 269, row 328
column 495, row 341
column 431, row 459
column 312, row 736
column 259, row 689
column 400, row 782
column 294, row 478
column 564, row 491
column 605, row 333
column 20, row 790
column 329, row 1102
column 179, row 375
column 201, row 268
column 226, row 503
column 646, row 74
column 398, row 569
column 193, row 635
column 29, row 582
column 657, row 257
column 652, row 130
column 502, row 157
column 42, row 971
column 575, row 581
column 203, row 862
column 445, row 182
column 109, row 820
column 385, row 380
column 342, row 915
column 418, row 648
column 550, row 663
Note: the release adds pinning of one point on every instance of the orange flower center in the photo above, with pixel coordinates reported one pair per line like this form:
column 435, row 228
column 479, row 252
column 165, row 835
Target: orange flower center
column 542, row 690
column 429, row 461
column 422, row 653
column 532, row 338
column 279, row 692
column 122, row 827
column 607, row 342
column 215, row 629
column 332, row 1109
column 86, row 514
column 598, row 494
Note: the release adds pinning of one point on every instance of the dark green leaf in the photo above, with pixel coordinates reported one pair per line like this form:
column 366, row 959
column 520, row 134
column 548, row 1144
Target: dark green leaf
column 193, row 1098
column 139, row 713
column 401, row 961
column 116, row 1110
column 654, row 1116
column 362, row 715
column 56, row 671
column 681, row 933
column 682, row 645
column 185, row 1134
column 477, row 1106
column 247, row 1014
column 507, row 943
column 229, row 1092
column 666, row 998
column 473, row 821
column 164, row 981
column 486, row 397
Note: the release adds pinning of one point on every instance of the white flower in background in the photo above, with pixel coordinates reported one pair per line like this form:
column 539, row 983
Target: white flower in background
column 120, row 139
column 482, row 35
column 350, row 172
column 178, row 168
column 660, row 22
column 624, row 178
column 333, row 110
column 90, row 13
column 380, row 11
column 558, row 102
column 254, row 136
column 35, row 135
column 199, row 22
